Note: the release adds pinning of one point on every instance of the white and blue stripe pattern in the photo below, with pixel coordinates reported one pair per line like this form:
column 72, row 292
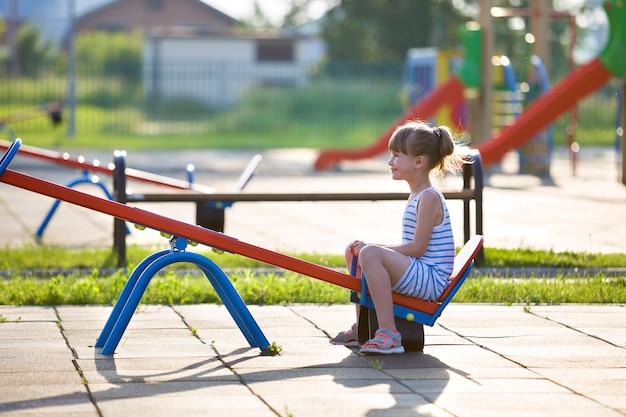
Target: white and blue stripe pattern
column 428, row 275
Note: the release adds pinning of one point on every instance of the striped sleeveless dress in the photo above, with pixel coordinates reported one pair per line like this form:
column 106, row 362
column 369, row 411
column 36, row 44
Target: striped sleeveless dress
column 428, row 275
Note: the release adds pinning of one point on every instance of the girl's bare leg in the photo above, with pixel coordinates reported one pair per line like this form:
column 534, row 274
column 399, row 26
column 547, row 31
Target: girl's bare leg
column 383, row 268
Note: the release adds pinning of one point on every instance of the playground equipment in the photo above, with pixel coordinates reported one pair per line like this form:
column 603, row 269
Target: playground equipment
column 96, row 166
column 424, row 69
column 535, row 118
column 114, row 170
column 509, row 99
column 565, row 94
column 536, row 154
column 53, row 111
column 84, row 178
column 418, row 313
column 210, row 208
column 450, row 93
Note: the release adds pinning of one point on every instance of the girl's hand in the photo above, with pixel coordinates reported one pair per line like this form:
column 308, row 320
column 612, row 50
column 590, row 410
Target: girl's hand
column 356, row 246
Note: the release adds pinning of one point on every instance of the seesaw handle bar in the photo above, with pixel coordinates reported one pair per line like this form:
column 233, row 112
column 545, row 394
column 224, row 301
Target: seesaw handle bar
column 9, row 155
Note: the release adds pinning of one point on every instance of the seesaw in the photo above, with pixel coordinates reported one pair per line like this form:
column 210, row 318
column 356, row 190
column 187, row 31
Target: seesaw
column 54, row 112
column 411, row 313
column 112, row 169
column 96, row 166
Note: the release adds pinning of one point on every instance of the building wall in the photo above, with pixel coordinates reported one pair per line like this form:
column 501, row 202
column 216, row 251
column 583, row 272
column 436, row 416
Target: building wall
column 219, row 71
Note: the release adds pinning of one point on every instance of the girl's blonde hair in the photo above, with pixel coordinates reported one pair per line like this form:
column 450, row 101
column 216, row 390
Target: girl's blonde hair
column 437, row 144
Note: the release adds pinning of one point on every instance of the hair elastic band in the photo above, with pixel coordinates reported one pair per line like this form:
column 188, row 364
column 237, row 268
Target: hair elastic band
column 437, row 132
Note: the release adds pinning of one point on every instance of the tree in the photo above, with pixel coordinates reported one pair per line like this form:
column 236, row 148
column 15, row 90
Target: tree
column 110, row 54
column 34, row 54
column 385, row 29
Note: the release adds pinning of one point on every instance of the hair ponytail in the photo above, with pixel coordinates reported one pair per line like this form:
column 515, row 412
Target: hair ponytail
column 436, row 143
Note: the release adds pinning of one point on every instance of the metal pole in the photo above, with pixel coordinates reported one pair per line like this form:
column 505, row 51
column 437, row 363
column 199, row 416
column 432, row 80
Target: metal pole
column 119, row 195
column 12, row 33
column 482, row 115
column 623, row 138
column 71, row 72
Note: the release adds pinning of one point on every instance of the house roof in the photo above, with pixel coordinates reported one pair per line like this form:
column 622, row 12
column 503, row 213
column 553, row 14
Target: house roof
column 112, row 3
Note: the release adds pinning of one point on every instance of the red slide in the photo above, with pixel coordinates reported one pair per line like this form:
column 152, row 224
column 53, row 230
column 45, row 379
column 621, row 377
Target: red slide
column 546, row 109
column 451, row 92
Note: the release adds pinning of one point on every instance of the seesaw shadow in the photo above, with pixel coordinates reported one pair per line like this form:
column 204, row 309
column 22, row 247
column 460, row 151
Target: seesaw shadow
column 397, row 372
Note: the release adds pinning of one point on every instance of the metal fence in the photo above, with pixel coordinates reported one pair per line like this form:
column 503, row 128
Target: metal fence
column 213, row 99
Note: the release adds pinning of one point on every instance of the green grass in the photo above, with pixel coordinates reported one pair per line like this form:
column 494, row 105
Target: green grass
column 32, row 257
column 560, row 290
column 177, row 285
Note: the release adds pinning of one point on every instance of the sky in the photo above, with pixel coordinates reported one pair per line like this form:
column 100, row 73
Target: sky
column 274, row 10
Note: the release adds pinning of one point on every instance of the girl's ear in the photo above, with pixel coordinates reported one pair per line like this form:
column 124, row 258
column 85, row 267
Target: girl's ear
column 419, row 161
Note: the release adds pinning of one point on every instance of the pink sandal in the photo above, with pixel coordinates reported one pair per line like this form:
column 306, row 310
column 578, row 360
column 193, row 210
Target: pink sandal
column 348, row 338
column 384, row 342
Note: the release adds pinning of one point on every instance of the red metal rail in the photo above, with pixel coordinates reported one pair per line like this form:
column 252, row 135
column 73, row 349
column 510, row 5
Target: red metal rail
column 81, row 162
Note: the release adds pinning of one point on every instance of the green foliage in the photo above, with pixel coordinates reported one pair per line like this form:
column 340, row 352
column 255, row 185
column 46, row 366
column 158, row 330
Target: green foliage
column 274, row 349
column 34, row 52
column 268, row 109
column 110, row 54
column 376, row 30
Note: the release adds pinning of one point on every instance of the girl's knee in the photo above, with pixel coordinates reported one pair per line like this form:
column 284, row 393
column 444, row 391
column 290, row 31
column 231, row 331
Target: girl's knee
column 369, row 253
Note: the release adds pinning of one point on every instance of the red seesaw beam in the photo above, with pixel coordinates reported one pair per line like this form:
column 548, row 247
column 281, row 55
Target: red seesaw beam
column 178, row 228
column 95, row 166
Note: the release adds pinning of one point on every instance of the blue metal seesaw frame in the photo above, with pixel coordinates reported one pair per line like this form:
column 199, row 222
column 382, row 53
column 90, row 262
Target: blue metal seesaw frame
column 139, row 279
column 85, row 178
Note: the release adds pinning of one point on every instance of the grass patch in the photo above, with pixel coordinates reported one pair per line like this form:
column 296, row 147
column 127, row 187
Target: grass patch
column 523, row 258
column 38, row 275
column 169, row 288
column 32, row 257
column 560, row 290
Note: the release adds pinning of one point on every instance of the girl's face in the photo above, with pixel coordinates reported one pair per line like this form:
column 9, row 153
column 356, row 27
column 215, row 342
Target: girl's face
column 402, row 165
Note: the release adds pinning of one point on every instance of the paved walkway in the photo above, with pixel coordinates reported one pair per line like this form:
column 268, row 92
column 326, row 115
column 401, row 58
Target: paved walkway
column 479, row 360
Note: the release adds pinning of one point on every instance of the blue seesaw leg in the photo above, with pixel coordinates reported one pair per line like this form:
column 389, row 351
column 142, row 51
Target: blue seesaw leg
column 125, row 295
column 84, row 179
column 216, row 276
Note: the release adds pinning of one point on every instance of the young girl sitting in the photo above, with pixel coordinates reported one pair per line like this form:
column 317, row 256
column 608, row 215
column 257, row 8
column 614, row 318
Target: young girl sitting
column 421, row 265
